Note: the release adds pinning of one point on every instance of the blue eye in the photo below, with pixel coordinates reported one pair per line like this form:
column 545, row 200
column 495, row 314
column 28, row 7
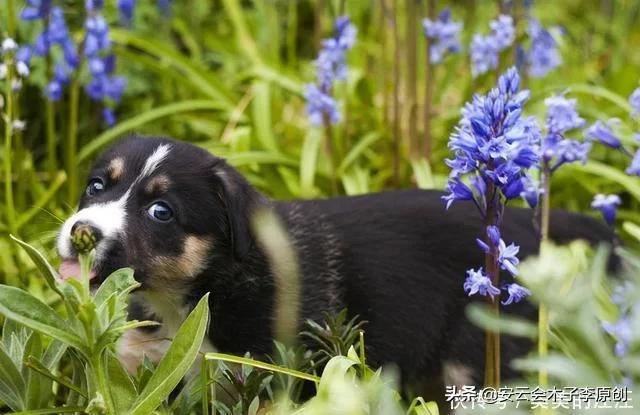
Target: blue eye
column 96, row 185
column 160, row 211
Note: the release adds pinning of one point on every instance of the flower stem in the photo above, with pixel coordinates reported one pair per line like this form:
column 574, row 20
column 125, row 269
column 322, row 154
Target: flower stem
column 543, row 313
column 492, row 337
column 330, row 152
column 71, row 147
column 8, row 147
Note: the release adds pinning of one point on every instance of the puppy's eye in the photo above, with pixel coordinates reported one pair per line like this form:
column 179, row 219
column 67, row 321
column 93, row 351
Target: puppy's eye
column 160, row 211
column 95, row 186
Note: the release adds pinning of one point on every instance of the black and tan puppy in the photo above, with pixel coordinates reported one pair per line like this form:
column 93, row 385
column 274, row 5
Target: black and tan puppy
column 180, row 217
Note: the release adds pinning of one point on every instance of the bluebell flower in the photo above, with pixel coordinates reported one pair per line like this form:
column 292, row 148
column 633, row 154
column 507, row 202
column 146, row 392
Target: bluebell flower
column 489, row 137
column 320, row 104
column 457, row 191
column 485, row 50
column 484, row 55
column 36, row 9
column 507, row 254
column 444, row 35
column 543, row 56
column 126, row 8
column 603, row 133
column 503, row 32
column 634, row 167
column 97, row 35
column 634, row 101
column 531, row 192
column 562, row 115
column 621, row 330
column 94, row 5
column 108, row 116
column 516, row 293
column 330, row 66
column 164, row 6
column 477, row 282
column 607, row 205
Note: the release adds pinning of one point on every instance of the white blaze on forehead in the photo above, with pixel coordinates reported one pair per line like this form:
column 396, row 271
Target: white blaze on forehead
column 108, row 217
column 154, row 161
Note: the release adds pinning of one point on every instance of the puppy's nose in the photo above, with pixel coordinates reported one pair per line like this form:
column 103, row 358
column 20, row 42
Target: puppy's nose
column 84, row 236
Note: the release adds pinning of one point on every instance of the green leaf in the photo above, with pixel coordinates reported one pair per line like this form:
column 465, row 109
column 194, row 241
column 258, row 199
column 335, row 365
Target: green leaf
column 123, row 391
column 26, row 309
column 631, row 184
column 261, row 115
column 481, row 316
column 46, row 411
column 336, row 368
column 48, row 272
column 360, row 147
column 422, row 171
column 176, row 362
column 309, row 161
column 120, row 281
column 262, row 365
column 12, row 386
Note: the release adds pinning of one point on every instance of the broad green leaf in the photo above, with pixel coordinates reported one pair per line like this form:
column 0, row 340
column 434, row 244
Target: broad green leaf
column 26, row 309
column 48, row 272
column 123, row 391
column 176, row 362
column 337, row 367
column 12, row 386
column 118, row 282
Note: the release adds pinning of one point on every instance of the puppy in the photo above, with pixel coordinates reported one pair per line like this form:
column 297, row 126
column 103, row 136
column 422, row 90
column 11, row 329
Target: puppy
column 181, row 218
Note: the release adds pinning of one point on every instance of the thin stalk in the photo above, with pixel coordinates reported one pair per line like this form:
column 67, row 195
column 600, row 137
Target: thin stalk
column 8, row 147
column 11, row 19
column 329, row 145
column 411, row 90
column 428, row 89
column 71, row 146
column 543, row 312
column 492, row 337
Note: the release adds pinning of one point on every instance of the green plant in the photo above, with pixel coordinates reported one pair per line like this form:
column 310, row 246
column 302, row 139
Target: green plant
column 89, row 329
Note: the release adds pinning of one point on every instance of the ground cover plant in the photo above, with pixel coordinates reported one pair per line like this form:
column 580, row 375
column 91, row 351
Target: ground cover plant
column 528, row 103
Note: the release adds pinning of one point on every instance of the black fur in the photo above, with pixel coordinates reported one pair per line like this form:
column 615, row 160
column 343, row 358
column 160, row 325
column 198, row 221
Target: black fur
column 397, row 259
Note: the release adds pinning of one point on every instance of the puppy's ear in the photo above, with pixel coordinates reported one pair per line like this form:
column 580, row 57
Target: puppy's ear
column 241, row 201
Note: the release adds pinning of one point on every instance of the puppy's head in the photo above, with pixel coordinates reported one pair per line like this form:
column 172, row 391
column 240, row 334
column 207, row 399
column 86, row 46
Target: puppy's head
column 162, row 207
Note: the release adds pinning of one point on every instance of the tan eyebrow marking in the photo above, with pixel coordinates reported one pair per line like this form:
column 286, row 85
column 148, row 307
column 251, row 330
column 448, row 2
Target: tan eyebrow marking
column 116, row 168
column 158, row 184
